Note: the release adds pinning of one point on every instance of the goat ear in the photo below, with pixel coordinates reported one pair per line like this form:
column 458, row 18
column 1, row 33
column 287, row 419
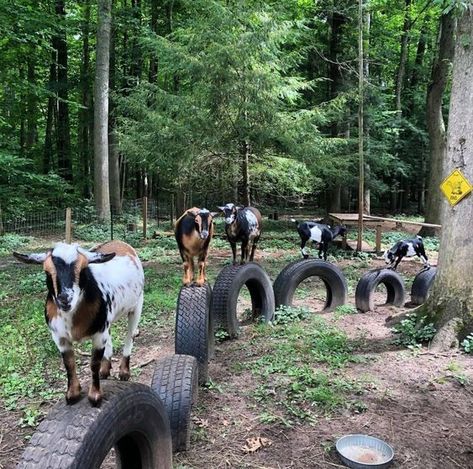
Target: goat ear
column 214, row 214
column 99, row 258
column 221, row 208
column 239, row 207
column 191, row 213
column 37, row 258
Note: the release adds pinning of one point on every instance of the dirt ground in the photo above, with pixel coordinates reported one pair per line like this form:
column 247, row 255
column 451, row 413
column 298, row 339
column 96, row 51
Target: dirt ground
column 420, row 403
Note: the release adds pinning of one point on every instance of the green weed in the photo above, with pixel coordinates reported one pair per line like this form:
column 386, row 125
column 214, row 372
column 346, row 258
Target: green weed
column 412, row 331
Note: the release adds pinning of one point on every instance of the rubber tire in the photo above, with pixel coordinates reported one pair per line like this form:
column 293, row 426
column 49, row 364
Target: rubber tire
column 421, row 286
column 131, row 418
column 227, row 289
column 195, row 333
column 364, row 298
column 175, row 381
column 293, row 274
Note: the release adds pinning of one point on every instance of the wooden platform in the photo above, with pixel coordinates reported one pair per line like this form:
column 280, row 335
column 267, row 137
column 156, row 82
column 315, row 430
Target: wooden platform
column 369, row 221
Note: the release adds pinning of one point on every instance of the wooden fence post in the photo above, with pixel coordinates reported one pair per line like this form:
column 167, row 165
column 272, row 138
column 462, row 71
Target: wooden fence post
column 145, row 216
column 68, row 225
column 1, row 222
column 172, row 210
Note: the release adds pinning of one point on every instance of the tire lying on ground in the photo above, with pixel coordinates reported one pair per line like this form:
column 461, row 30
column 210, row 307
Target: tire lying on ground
column 421, row 286
column 364, row 294
column 131, row 419
column 227, row 289
column 175, row 380
column 194, row 326
column 293, row 274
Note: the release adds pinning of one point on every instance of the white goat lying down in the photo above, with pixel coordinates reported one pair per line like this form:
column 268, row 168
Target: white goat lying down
column 87, row 292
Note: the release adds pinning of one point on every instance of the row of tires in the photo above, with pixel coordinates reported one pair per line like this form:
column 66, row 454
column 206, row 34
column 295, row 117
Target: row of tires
column 145, row 424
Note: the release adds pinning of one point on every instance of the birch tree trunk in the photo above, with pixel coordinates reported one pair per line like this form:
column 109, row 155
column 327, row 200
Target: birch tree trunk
column 102, row 70
column 451, row 302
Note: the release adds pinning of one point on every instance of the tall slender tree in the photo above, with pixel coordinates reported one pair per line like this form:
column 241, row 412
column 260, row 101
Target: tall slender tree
column 435, row 119
column 101, row 97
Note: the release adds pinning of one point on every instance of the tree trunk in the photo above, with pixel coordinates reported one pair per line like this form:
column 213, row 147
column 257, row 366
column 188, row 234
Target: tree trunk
column 101, row 176
column 48, row 136
column 153, row 61
column 435, row 122
column 63, row 128
column 32, row 116
column 403, row 56
column 113, row 153
column 450, row 304
column 366, row 62
column 245, row 159
column 84, row 112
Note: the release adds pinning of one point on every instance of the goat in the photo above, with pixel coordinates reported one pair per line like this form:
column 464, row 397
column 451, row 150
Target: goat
column 406, row 248
column 87, row 291
column 317, row 233
column 242, row 224
column 193, row 232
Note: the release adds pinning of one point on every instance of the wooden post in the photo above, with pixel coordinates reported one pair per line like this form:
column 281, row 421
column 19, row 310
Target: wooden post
column 68, row 225
column 379, row 230
column 145, row 216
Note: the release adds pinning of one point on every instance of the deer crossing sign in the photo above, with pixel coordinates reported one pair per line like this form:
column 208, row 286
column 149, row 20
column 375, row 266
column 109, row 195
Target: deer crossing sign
column 455, row 187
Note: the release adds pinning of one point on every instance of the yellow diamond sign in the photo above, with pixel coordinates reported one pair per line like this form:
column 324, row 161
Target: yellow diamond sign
column 455, row 187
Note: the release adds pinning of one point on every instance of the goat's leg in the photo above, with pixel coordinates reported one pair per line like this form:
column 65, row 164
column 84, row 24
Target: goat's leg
column 396, row 263
column 202, row 264
column 304, row 255
column 73, row 385
column 98, row 349
column 253, row 249
column 133, row 320
column 320, row 250
column 244, row 251
column 423, row 257
column 188, row 270
column 234, row 252
column 325, row 249
column 106, row 364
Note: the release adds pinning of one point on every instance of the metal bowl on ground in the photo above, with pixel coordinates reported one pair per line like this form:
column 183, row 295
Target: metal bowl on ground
column 364, row 452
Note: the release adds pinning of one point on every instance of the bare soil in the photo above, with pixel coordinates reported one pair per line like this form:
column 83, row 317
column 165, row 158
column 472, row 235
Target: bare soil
column 420, row 403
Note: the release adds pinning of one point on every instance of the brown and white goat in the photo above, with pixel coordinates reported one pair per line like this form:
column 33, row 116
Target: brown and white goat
column 87, row 291
column 194, row 231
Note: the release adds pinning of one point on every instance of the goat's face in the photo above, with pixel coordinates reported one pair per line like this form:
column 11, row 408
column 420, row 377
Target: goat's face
column 229, row 212
column 63, row 266
column 388, row 257
column 203, row 222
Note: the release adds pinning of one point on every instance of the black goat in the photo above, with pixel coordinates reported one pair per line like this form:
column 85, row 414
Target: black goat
column 242, row 224
column 317, row 233
column 406, row 248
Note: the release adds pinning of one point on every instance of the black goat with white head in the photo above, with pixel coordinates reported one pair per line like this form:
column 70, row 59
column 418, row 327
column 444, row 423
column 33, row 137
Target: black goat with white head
column 406, row 248
column 242, row 224
column 319, row 234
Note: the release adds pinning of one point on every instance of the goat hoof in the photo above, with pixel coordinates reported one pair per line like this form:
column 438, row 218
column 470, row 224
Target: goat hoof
column 72, row 398
column 95, row 397
column 200, row 283
column 306, row 256
column 105, row 368
column 124, row 375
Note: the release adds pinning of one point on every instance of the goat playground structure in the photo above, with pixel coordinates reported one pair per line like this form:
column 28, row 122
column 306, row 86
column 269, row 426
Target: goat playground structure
column 145, row 424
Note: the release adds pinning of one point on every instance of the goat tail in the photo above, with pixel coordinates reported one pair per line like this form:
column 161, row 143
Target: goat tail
column 295, row 221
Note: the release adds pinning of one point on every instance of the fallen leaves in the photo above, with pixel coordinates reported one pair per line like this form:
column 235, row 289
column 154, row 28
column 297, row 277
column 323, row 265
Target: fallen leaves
column 255, row 443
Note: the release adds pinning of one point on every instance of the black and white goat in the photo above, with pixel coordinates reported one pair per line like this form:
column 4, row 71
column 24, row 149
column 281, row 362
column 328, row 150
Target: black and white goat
column 318, row 233
column 87, row 291
column 242, row 224
column 406, row 248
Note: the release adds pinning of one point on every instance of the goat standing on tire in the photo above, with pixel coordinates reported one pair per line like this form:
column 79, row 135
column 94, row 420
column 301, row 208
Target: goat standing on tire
column 242, row 224
column 319, row 234
column 87, row 291
column 193, row 232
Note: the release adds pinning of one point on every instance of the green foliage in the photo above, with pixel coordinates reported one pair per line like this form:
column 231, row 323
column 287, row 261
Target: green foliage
column 287, row 314
column 413, row 331
column 467, row 343
column 10, row 242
